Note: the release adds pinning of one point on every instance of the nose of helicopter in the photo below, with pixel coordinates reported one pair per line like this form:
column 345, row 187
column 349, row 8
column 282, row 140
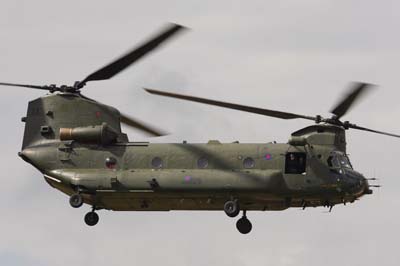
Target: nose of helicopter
column 367, row 189
column 357, row 184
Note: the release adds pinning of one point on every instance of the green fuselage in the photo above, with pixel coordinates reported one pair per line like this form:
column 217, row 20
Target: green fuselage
column 192, row 176
column 115, row 174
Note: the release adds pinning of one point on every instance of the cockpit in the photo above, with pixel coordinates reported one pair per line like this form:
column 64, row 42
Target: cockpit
column 342, row 170
column 338, row 161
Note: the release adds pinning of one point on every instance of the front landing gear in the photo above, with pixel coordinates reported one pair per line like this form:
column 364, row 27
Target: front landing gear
column 232, row 208
column 243, row 224
column 91, row 218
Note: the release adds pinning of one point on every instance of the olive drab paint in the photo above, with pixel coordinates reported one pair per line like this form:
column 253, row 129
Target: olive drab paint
column 177, row 182
column 47, row 115
column 78, row 146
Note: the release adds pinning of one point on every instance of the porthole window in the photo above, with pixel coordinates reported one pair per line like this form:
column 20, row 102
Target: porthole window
column 202, row 163
column 157, row 162
column 111, row 162
column 249, row 162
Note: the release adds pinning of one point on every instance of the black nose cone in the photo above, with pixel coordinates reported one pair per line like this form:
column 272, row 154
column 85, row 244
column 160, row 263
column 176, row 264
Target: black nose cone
column 356, row 182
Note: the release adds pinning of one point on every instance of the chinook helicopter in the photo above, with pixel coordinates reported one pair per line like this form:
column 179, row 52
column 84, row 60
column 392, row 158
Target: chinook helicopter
column 78, row 146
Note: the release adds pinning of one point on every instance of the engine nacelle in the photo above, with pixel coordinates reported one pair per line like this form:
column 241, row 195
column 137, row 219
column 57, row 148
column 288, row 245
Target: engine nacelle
column 100, row 134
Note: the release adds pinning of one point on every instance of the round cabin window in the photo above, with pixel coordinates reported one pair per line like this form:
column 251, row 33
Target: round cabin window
column 111, row 162
column 202, row 162
column 249, row 163
column 157, row 162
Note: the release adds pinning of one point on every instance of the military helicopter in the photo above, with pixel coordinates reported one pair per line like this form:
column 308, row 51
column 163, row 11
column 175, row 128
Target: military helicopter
column 78, row 146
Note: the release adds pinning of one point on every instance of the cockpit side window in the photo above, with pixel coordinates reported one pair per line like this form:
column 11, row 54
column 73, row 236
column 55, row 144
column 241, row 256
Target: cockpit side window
column 333, row 162
column 295, row 163
column 329, row 161
column 344, row 162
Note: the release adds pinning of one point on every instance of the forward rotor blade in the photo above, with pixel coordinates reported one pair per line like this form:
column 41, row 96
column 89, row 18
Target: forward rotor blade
column 26, row 86
column 356, row 91
column 123, row 62
column 373, row 131
column 129, row 121
column 255, row 110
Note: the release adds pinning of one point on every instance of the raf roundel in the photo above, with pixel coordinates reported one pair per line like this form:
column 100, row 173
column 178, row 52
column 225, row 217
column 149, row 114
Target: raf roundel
column 268, row 156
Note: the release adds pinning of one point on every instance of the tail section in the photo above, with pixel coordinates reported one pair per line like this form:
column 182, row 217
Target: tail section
column 48, row 114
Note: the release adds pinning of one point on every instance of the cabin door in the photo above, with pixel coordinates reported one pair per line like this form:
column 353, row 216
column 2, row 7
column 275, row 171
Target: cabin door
column 295, row 169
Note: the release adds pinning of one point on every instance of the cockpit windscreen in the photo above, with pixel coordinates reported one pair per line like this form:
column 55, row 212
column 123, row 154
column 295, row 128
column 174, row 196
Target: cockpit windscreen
column 339, row 160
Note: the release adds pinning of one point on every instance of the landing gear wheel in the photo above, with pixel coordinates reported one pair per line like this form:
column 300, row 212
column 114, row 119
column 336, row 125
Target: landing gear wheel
column 244, row 225
column 232, row 208
column 91, row 218
column 76, row 200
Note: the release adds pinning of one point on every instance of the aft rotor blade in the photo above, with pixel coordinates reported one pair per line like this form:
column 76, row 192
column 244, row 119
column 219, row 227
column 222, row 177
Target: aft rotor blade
column 123, row 62
column 373, row 131
column 255, row 110
column 26, row 86
column 129, row 121
column 355, row 93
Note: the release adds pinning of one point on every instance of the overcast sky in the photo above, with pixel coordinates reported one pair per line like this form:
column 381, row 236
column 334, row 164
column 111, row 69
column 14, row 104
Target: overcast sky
column 296, row 56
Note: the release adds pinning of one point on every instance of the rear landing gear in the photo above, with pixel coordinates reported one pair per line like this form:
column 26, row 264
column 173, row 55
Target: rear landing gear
column 91, row 218
column 76, row 200
column 243, row 225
